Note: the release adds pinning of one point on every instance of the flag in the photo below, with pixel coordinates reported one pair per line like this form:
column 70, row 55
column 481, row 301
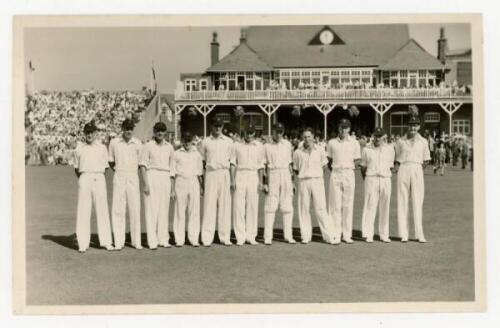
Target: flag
column 153, row 77
column 32, row 69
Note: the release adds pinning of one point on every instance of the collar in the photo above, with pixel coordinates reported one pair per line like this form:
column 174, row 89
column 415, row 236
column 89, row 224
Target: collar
column 191, row 149
column 131, row 141
column 313, row 148
column 222, row 136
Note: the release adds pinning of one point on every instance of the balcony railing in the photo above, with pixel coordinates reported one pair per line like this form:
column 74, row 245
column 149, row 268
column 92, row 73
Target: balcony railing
column 328, row 94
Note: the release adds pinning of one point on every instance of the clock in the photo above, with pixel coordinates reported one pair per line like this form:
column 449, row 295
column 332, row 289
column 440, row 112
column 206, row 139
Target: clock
column 326, row 37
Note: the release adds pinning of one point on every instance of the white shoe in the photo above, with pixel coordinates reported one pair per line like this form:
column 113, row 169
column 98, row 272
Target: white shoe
column 348, row 241
column 228, row 243
column 253, row 242
column 305, row 242
column 291, row 241
column 404, row 240
column 138, row 247
column 167, row 245
column 238, row 244
column 422, row 240
column 369, row 240
column 386, row 240
column 109, row 248
column 81, row 250
column 195, row 245
column 268, row 242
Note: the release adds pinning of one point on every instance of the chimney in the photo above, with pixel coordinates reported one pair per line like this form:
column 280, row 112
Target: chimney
column 243, row 35
column 214, row 50
column 442, row 46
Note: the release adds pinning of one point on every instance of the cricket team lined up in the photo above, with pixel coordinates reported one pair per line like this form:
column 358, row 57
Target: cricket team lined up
column 224, row 179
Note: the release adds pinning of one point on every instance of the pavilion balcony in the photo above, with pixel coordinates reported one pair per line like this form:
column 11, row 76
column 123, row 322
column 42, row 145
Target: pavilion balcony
column 364, row 95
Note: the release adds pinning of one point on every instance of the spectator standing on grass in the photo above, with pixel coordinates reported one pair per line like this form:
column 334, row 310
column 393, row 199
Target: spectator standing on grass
column 464, row 154
column 440, row 159
column 91, row 161
column 124, row 153
column 412, row 155
column 155, row 165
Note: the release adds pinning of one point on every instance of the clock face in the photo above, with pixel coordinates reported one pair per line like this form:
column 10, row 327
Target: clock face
column 326, row 37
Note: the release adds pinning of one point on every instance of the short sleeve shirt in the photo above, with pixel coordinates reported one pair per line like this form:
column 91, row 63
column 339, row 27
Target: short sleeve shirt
column 414, row 150
column 278, row 155
column 157, row 156
column 216, row 152
column 309, row 163
column 343, row 152
column 248, row 156
column 378, row 160
column 125, row 154
column 187, row 163
column 91, row 158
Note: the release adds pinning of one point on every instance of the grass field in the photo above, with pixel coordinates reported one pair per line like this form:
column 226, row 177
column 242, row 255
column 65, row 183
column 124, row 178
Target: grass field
column 441, row 270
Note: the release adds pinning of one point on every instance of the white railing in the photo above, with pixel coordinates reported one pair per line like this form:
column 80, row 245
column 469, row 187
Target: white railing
column 328, row 94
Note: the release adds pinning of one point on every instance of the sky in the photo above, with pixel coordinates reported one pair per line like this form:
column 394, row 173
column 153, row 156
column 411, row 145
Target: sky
column 121, row 58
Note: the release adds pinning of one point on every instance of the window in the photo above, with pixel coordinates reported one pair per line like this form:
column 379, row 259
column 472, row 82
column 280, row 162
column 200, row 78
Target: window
column 366, row 73
column 249, row 75
column 461, row 126
column 394, row 73
column 399, row 123
column 306, row 73
column 204, row 84
column 225, row 117
column 190, row 85
column 422, row 73
column 335, row 73
column 231, row 75
column 403, row 74
column 432, row 117
column 296, row 73
column 254, row 119
column 285, row 73
column 345, row 73
column 316, row 73
column 355, row 73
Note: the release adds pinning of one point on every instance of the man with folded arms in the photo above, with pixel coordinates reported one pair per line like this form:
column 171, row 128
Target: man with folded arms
column 247, row 164
column 124, row 153
column 412, row 155
column 377, row 161
column 308, row 163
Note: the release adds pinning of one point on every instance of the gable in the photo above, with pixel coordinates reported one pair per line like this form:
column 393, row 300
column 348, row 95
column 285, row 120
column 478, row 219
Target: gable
column 325, row 37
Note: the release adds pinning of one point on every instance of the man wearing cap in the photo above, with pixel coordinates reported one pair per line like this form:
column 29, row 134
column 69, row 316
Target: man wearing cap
column 155, row 165
column 216, row 153
column 412, row 155
column 377, row 160
column 343, row 155
column 247, row 164
column 90, row 163
column 187, row 167
column 308, row 162
column 278, row 187
column 124, row 153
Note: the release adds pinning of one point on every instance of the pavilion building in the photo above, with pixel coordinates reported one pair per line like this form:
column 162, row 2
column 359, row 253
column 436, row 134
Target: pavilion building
column 315, row 75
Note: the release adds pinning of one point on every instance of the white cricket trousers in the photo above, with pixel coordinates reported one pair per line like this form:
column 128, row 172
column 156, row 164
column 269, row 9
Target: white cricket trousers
column 313, row 188
column 157, row 205
column 246, row 205
column 92, row 190
column 280, row 194
column 126, row 194
column 410, row 180
column 216, row 204
column 187, row 199
column 341, row 202
column 377, row 194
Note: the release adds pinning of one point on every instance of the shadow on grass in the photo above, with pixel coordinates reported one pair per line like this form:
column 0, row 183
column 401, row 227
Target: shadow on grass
column 71, row 242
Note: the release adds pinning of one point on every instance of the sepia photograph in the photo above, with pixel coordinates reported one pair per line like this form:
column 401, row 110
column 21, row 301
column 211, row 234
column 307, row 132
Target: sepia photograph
column 248, row 164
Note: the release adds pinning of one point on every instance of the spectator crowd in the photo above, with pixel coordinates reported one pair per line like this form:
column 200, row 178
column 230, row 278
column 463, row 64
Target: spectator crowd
column 54, row 120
